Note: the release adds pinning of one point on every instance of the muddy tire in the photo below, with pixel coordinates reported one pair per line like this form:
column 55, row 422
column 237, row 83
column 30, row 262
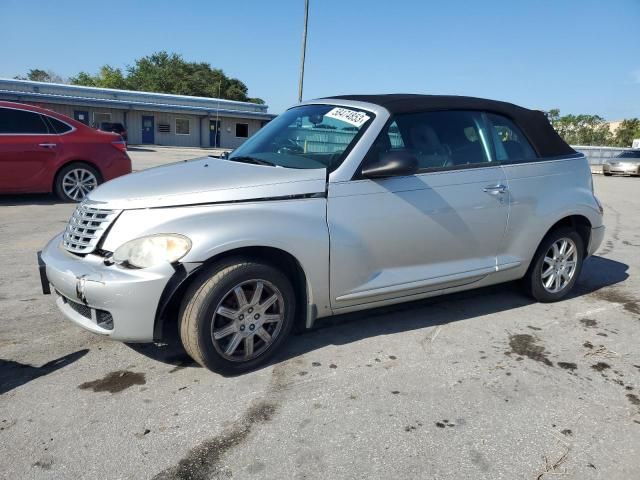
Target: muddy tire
column 236, row 315
column 556, row 266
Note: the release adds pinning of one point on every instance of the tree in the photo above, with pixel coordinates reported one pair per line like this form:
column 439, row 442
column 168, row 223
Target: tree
column 38, row 75
column 628, row 130
column 581, row 129
column 165, row 72
column 107, row 77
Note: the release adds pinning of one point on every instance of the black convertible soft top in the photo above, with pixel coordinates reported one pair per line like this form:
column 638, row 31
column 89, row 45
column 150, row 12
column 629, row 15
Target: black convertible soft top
column 534, row 124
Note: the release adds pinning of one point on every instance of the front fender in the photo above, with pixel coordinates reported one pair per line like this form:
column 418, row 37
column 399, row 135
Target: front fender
column 296, row 226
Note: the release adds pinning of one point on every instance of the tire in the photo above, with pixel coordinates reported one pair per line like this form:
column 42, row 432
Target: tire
column 214, row 291
column 85, row 177
column 538, row 274
column 607, row 174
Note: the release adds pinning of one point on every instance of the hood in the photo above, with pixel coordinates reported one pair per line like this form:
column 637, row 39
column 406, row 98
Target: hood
column 206, row 180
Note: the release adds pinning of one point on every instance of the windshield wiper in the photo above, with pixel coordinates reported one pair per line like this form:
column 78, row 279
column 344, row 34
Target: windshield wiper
column 253, row 160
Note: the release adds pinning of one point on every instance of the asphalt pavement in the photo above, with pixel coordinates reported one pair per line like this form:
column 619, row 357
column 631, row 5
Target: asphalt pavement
column 483, row 384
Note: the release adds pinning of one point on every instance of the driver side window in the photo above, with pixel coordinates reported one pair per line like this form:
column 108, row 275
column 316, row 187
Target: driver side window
column 441, row 140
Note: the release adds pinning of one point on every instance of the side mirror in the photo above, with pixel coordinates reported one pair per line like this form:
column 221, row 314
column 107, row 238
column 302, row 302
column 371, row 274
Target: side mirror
column 392, row 164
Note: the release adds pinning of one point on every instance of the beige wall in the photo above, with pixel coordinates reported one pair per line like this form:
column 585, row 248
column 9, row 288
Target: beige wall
column 199, row 125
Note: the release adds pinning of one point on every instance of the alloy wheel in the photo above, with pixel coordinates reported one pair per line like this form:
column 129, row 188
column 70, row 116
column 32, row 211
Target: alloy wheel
column 559, row 265
column 247, row 320
column 77, row 183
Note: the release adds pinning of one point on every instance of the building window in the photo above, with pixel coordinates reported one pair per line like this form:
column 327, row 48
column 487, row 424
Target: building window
column 242, row 130
column 99, row 118
column 182, row 126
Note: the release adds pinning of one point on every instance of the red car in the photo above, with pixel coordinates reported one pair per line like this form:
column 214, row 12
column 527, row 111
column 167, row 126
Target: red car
column 43, row 151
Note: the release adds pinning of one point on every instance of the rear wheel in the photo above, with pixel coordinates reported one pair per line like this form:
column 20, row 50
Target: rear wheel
column 237, row 315
column 607, row 174
column 556, row 266
column 75, row 181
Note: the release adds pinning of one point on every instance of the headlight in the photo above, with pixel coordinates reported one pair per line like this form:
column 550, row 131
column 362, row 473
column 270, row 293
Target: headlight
column 152, row 250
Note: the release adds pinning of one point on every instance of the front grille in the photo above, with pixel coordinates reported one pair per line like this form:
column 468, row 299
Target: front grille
column 86, row 227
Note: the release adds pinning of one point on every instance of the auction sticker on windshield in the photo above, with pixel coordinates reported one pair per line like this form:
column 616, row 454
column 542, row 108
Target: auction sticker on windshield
column 355, row 118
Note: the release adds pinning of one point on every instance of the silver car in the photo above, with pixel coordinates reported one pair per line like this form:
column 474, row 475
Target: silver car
column 337, row 205
column 625, row 163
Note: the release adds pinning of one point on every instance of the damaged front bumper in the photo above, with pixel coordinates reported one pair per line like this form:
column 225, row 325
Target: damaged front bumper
column 109, row 300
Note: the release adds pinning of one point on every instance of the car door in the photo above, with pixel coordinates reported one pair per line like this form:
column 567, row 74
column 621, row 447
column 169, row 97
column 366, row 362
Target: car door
column 401, row 237
column 27, row 149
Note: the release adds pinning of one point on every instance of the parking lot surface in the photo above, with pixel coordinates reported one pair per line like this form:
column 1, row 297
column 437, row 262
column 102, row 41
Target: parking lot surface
column 484, row 384
column 147, row 156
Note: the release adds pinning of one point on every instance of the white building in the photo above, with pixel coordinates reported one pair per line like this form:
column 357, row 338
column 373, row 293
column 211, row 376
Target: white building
column 150, row 118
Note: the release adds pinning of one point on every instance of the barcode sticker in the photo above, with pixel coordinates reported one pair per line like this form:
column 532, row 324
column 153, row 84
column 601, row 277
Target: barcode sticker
column 354, row 117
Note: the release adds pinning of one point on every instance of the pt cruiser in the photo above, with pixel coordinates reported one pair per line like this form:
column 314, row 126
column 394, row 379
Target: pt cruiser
column 337, row 205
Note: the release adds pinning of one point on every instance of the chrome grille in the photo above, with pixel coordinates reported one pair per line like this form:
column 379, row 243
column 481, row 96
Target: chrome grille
column 86, row 227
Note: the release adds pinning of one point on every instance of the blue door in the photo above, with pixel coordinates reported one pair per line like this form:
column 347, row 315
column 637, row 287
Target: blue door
column 214, row 133
column 147, row 129
column 81, row 116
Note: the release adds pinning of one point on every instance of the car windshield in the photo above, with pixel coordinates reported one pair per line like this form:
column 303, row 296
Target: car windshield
column 309, row 136
column 630, row 154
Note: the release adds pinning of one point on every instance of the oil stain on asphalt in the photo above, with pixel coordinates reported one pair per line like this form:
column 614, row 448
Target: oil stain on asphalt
column 115, row 382
column 601, row 366
column 526, row 345
column 203, row 461
column 629, row 303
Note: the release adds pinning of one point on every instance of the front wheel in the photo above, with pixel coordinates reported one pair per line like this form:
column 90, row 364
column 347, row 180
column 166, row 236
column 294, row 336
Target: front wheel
column 236, row 315
column 556, row 266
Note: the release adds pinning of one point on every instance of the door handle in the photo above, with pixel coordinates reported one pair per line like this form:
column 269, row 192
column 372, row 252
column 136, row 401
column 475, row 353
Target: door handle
column 48, row 145
column 495, row 189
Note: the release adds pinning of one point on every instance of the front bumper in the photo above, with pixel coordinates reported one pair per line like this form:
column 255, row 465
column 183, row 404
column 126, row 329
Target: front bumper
column 110, row 300
column 621, row 168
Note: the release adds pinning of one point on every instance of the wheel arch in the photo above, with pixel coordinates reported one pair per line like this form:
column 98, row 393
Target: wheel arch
column 578, row 222
column 166, row 319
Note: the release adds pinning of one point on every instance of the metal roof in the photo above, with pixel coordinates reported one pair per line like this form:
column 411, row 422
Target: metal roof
column 25, row 90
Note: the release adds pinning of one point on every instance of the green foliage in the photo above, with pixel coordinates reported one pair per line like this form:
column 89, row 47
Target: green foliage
column 627, row 131
column 581, row 129
column 38, row 75
column 169, row 73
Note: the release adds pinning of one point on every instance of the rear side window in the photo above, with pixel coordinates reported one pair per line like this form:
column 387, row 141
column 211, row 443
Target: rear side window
column 439, row 140
column 21, row 122
column 508, row 140
column 58, row 126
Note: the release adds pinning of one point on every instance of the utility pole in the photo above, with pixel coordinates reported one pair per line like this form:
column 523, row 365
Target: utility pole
column 304, row 49
column 216, row 138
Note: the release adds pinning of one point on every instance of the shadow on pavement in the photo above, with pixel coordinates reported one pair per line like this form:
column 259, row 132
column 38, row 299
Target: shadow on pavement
column 140, row 149
column 29, row 199
column 597, row 273
column 14, row 374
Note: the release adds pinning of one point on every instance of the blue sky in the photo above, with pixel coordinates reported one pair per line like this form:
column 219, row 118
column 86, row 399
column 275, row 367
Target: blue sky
column 582, row 56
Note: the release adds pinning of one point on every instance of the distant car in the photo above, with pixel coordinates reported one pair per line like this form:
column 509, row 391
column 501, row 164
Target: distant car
column 42, row 151
column 115, row 128
column 625, row 163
